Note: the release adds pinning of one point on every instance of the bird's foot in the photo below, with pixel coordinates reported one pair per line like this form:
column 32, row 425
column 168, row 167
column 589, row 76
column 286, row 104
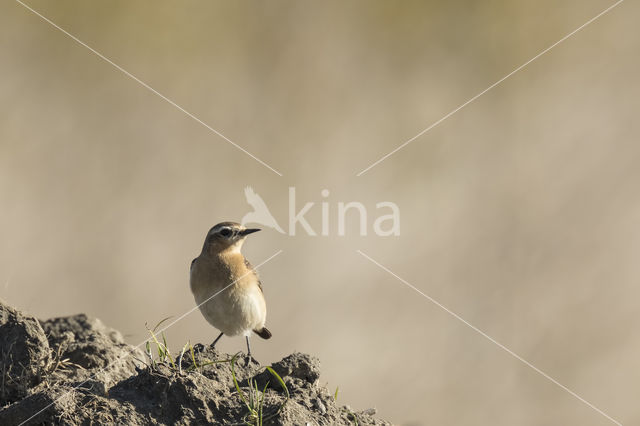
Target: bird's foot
column 248, row 359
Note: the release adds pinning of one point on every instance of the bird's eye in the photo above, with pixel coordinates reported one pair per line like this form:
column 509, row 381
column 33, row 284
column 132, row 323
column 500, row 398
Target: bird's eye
column 225, row 232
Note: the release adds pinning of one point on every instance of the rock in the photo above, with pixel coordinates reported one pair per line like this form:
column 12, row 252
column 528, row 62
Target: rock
column 100, row 351
column 24, row 354
column 320, row 405
column 300, row 366
column 41, row 408
column 78, row 371
column 297, row 371
column 161, row 395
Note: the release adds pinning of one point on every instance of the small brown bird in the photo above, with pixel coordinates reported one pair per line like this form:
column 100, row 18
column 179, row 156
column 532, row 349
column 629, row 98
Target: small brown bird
column 226, row 287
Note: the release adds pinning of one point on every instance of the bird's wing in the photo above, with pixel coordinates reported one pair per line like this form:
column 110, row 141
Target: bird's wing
column 250, row 267
column 254, row 199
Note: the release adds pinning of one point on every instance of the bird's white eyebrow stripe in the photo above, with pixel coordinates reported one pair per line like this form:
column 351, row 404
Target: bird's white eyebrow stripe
column 219, row 228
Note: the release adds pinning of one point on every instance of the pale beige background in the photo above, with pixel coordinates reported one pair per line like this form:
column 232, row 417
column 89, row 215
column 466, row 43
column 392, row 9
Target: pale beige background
column 520, row 212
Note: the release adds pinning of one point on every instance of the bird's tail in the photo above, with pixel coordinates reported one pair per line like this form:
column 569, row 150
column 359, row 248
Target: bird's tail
column 263, row 332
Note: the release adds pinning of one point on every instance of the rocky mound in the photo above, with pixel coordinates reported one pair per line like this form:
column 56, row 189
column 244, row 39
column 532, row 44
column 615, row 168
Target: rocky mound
column 75, row 370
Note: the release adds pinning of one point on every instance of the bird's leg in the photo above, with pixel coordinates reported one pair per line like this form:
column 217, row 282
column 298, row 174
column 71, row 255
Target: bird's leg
column 249, row 358
column 216, row 341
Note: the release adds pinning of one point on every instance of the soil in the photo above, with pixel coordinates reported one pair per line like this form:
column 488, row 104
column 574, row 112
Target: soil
column 77, row 371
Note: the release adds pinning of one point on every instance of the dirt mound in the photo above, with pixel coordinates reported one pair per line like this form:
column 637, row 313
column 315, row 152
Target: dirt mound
column 75, row 370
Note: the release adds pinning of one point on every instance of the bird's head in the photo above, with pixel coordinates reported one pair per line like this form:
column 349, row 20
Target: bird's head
column 226, row 236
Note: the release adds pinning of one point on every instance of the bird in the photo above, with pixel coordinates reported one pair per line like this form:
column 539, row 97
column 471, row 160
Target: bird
column 260, row 213
column 226, row 287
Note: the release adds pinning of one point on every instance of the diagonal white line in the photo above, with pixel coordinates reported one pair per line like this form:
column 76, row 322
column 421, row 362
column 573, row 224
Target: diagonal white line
column 65, row 393
column 500, row 345
column 488, row 88
column 145, row 85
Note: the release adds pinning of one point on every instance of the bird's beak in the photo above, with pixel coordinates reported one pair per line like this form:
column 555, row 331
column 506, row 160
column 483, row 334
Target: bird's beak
column 248, row 231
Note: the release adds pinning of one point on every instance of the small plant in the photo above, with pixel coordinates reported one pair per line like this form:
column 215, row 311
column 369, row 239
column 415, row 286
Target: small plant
column 164, row 354
column 254, row 401
column 352, row 415
column 184, row 348
column 59, row 363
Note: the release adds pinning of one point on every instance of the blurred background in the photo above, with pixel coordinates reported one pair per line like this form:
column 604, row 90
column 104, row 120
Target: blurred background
column 519, row 213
